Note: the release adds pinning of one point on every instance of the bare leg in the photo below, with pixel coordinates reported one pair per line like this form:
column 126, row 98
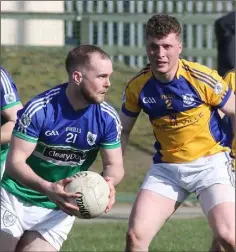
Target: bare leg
column 8, row 242
column 149, row 213
column 216, row 246
column 221, row 217
column 33, row 241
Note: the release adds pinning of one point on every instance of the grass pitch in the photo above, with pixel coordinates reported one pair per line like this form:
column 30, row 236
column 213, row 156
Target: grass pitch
column 177, row 235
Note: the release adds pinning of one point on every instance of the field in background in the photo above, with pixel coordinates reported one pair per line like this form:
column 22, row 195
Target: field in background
column 177, row 235
column 35, row 69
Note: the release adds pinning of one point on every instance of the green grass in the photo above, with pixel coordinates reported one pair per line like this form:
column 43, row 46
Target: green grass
column 35, row 69
column 176, row 235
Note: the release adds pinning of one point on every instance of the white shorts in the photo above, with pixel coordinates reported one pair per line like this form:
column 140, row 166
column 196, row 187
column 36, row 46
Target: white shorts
column 177, row 181
column 18, row 216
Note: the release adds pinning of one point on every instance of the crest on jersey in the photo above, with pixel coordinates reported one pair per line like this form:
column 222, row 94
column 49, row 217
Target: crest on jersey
column 8, row 219
column 25, row 120
column 218, row 88
column 188, row 100
column 9, row 98
column 91, row 138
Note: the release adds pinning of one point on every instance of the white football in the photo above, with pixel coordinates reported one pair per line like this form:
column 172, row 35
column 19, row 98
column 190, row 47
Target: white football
column 94, row 191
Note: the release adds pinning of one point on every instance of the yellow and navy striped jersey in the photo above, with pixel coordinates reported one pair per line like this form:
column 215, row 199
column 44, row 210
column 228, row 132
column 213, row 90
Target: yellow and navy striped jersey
column 183, row 112
column 230, row 79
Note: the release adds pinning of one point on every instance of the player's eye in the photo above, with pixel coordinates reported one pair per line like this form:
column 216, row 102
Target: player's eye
column 167, row 47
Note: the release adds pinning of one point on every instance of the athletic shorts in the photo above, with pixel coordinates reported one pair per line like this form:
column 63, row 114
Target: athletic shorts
column 18, row 216
column 177, row 181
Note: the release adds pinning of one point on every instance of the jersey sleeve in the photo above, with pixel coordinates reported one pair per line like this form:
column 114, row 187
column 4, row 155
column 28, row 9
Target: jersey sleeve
column 130, row 105
column 30, row 121
column 229, row 78
column 112, row 130
column 9, row 93
column 216, row 90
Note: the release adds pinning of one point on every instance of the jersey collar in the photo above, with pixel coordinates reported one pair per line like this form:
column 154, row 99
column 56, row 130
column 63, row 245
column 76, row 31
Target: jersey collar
column 180, row 69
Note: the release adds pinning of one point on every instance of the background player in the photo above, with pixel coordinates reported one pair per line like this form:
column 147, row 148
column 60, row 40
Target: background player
column 10, row 104
column 57, row 134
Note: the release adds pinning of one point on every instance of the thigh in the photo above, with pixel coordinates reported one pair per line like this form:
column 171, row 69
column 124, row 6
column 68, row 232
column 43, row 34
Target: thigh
column 149, row 213
column 163, row 179
column 11, row 229
column 54, row 227
column 33, row 241
column 218, row 203
column 216, row 195
column 7, row 241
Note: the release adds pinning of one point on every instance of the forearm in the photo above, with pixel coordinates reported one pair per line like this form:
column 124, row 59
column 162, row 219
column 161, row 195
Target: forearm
column 6, row 132
column 124, row 141
column 115, row 173
column 22, row 173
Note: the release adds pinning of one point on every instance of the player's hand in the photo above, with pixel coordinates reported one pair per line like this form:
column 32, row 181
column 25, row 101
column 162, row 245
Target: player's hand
column 111, row 195
column 57, row 194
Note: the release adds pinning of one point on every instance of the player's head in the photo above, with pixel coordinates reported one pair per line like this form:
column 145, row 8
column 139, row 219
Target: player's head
column 89, row 68
column 163, row 42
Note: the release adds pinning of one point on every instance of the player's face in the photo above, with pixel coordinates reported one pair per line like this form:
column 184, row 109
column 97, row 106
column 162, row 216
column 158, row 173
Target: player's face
column 163, row 53
column 96, row 79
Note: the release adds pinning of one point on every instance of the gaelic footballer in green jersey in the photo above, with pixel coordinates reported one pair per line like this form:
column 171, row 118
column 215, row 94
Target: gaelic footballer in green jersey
column 67, row 140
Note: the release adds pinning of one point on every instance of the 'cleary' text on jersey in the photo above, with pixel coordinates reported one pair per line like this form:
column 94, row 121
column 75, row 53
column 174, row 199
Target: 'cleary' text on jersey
column 67, row 141
column 183, row 112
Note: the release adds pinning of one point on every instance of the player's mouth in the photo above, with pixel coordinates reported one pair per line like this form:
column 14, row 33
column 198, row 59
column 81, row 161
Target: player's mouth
column 161, row 63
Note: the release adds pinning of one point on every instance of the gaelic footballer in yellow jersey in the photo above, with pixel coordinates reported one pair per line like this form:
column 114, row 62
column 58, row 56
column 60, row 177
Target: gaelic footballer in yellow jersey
column 184, row 123
column 182, row 100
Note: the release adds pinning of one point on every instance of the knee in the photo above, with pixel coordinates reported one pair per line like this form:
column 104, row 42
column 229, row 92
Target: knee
column 227, row 236
column 137, row 240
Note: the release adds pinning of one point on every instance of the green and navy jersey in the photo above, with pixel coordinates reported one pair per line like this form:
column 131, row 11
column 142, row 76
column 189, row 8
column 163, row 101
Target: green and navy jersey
column 9, row 98
column 67, row 141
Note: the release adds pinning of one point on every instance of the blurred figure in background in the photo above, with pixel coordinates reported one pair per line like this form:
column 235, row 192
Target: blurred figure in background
column 10, row 104
column 225, row 37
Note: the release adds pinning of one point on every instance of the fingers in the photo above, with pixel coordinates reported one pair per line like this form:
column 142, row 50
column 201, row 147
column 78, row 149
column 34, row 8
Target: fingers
column 111, row 203
column 65, row 181
column 111, row 186
column 69, row 211
column 111, row 195
column 67, row 207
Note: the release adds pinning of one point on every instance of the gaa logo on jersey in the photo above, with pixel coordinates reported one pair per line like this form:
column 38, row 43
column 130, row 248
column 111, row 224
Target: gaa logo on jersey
column 91, row 138
column 218, row 88
column 188, row 100
column 9, row 98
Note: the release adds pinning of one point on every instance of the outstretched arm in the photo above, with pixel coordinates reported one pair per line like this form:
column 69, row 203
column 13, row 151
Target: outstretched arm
column 127, row 126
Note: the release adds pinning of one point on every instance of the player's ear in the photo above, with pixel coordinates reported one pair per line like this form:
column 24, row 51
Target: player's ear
column 180, row 47
column 77, row 77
